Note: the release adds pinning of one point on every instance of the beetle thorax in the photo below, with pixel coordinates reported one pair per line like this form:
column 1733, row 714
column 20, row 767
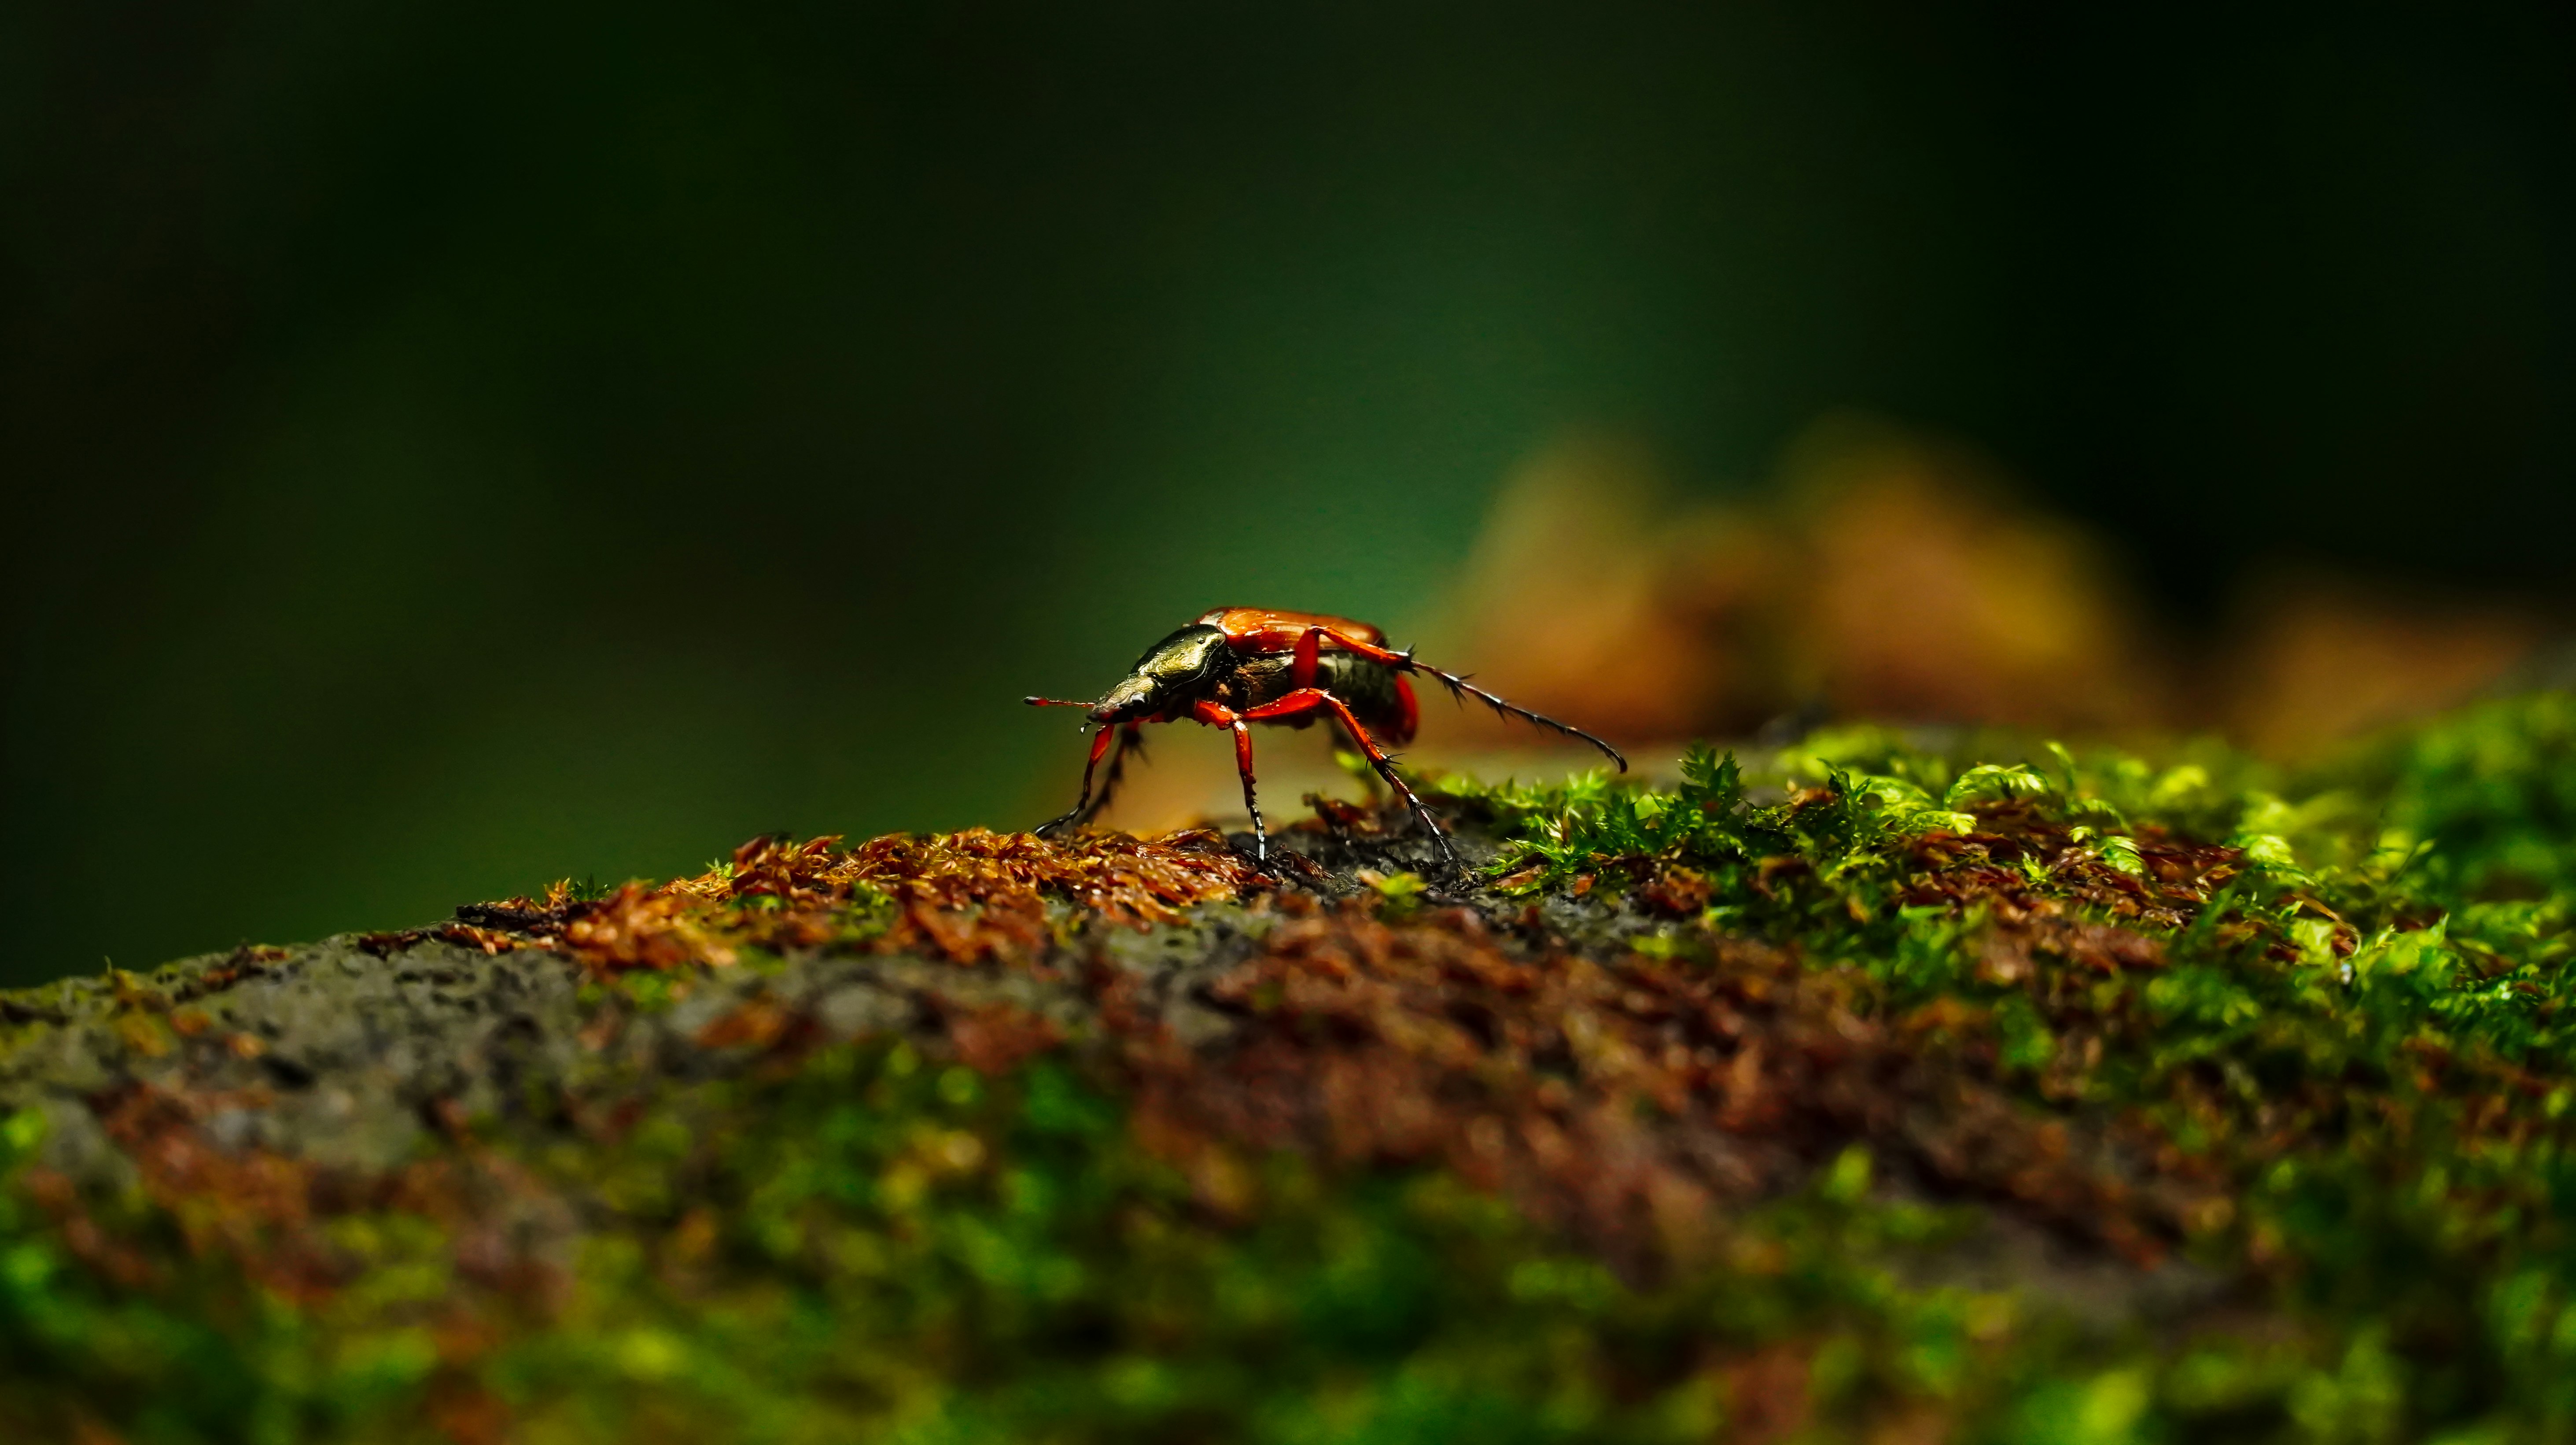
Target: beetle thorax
column 1173, row 671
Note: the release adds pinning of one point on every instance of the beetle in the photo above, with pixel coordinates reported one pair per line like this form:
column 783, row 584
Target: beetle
column 1237, row 666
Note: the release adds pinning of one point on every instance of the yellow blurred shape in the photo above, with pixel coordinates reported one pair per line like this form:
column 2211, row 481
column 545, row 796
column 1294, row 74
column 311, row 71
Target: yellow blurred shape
column 2320, row 659
column 1892, row 577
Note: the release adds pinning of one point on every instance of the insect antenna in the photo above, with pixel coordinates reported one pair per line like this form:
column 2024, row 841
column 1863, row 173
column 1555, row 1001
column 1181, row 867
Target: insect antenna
column 1462, row 689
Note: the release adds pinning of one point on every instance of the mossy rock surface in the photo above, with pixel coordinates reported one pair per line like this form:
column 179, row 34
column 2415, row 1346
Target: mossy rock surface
column 1895, row 1087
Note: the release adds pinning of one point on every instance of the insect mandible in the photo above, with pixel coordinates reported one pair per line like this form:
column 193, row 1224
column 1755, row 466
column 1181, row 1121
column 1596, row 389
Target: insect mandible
column 1237, row 666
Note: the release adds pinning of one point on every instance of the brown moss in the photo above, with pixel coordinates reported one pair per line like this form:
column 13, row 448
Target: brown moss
column 967, row 896
column 992, row 1039
column 269, row 1213
column 1618, row 1099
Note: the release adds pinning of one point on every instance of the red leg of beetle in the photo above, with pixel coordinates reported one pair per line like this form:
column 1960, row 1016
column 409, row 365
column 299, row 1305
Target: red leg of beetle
column 1217, row 716
column 1355, row 745
column 1131, row 744
column 1082, row 806
column 1310, row 649
column 1458, row 686
column 1309, row 699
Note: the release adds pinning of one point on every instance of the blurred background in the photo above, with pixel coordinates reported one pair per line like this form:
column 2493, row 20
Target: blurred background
column 452, row 446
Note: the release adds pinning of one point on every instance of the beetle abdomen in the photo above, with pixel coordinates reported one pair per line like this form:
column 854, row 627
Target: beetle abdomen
column 1376, row 693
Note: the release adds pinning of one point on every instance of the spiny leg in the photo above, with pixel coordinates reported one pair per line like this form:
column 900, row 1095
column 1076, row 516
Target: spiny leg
column 1251, row 803
column 1343, row 734
column 1218, row 715
column 1458, row 685
column 1307, row 699
column 1082, row 805
column 1301, row 674
column 1131, row 744
column 1304, row 669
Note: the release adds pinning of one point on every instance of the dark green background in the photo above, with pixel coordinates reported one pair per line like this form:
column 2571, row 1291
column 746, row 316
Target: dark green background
column 450, row 446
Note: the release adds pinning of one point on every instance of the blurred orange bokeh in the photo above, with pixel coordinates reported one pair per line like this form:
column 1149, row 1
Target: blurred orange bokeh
column 1884, row 575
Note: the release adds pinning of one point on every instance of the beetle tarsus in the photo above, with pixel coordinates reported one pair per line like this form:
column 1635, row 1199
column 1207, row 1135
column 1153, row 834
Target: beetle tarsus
column 1084, row 806
column 1260, row 830
column 1251, row 799
column 1460, row 687
column 1439, row 835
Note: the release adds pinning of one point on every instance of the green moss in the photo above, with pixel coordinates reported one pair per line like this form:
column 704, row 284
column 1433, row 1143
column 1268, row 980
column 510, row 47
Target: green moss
column 2365, row 1026
column 2327, row 1011
column 915, row 1250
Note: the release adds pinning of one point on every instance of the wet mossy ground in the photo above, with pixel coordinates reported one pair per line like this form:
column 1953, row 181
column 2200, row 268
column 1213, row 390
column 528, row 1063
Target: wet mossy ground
column 1895, row 1088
